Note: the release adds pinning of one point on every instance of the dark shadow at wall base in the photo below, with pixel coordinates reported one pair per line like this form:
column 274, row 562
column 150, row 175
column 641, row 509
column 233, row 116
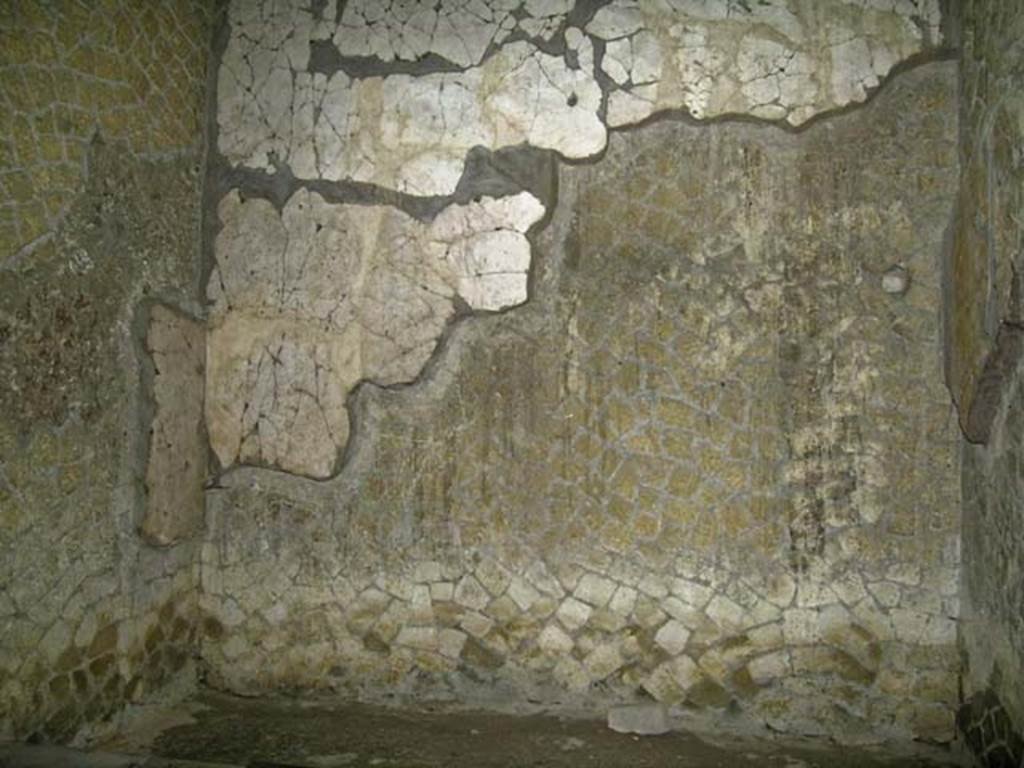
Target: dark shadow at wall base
column 988, row 732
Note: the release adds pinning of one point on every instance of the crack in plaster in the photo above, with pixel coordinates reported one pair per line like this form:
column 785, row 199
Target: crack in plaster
column 305, row 305
column 412, row 132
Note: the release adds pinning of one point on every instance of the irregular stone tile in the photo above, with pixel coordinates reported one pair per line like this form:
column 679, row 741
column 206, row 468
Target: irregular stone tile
column 595, row 590
column 460, row 31
column 469, row 593
column 412, row 133
column 769, row 667
column 522, row 594
column 405, row 132
column 427, row 572
column 442, row 591
column 423, row 638
column 604, row 660
column 571, row 674
column 725, row 612
column 554, row 641
column 623, row 600
column 573, row 614
column 672, row 637
column 692, row 592
column 477, row 624
column 801, row 625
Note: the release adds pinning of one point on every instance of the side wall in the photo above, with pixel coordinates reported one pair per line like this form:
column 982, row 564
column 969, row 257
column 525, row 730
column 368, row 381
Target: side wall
column 100, row 172
column 985, row 332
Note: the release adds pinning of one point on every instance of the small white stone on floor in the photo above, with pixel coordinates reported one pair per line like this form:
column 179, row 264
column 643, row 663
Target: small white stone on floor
column 643, row 719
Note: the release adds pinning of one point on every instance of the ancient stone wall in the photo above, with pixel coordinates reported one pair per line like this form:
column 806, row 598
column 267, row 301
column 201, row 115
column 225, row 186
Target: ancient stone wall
column 984, row 324
column 100, row 172
column 512, row 402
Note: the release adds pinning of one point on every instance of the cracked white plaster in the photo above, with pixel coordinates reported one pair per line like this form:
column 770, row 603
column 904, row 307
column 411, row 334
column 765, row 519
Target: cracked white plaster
column 459, row 31
column 771, row 59
column 412, row 133
column 306, row 304
column 768, row 59
column 268, row 47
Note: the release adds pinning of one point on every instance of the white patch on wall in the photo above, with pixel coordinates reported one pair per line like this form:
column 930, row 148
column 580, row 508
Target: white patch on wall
column 766, row 59
column 403, row 132
column 771, row 59
column 308, row 302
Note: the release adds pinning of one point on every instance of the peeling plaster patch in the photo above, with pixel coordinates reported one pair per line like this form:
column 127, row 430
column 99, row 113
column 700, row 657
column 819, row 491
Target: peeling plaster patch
column 408, row 133
column 412, row 133
column 269, row 44
column 308, row 303
column 765, row 59
column 461, row 31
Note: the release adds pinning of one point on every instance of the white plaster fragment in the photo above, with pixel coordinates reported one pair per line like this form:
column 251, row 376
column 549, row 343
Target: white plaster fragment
column 308, row 302
column 471, row 594
column 412, row 132
column 765, row 61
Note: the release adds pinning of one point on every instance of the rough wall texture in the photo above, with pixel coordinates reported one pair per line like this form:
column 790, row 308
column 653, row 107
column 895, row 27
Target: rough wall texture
column 984, row 319
column 984, row 355
column 126, row 68
column 100, row 170
column 710, row 461
column 302, row 313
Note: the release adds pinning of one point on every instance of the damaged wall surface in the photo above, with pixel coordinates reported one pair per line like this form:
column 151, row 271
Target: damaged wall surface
column 702, row 453
column 100, row 173
column 985, row 343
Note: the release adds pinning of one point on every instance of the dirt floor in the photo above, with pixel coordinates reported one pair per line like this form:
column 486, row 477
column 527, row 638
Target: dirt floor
column 215, row 729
